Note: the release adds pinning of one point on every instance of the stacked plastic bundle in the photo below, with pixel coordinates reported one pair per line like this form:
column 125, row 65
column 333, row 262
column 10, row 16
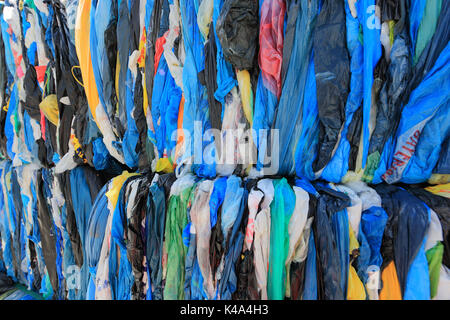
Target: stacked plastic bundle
column 220, row 149
column 342, row 83
column 44, row 223
column 349, row 88
column 153, row 237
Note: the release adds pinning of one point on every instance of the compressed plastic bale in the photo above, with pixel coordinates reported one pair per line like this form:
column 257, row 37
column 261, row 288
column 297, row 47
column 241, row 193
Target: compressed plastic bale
column 24, row 129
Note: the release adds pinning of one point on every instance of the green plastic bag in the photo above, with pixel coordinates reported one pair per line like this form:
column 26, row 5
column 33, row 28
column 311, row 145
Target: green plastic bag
column 434, row 258
column 174, row 248
column 427, row 26
column 281, row 210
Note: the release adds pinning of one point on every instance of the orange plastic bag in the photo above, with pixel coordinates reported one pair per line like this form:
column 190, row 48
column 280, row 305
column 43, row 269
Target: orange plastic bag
column 82, row 34
column 391, row 286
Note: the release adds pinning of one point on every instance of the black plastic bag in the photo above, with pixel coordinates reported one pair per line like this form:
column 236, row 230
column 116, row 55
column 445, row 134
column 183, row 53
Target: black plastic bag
column 332, row 69
column 237, row 29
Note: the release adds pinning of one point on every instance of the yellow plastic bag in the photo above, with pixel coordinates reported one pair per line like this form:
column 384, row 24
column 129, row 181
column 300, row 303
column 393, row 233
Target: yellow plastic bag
column 437, row 178
column 355, row 287
column 164, row 165
column 113, row 193
column 442, row 190
column 245, row 88
column 353, row 243
column 49, row 106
